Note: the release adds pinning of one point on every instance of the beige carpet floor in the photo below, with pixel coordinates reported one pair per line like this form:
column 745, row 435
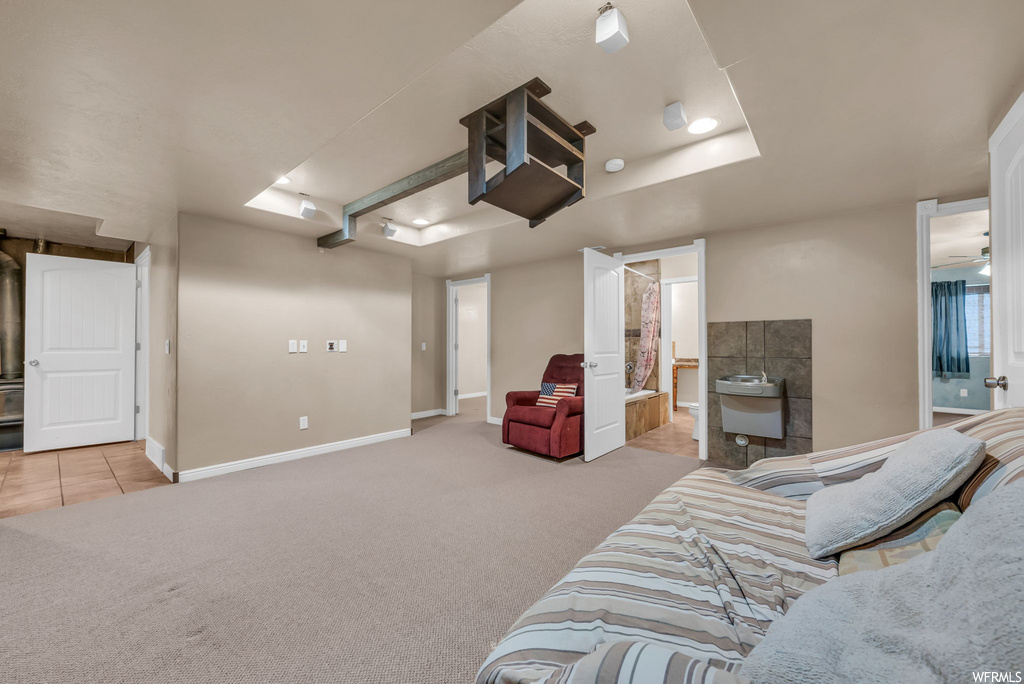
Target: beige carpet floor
column 398, row 562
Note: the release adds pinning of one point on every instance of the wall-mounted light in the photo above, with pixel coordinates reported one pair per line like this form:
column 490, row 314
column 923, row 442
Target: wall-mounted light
column 704, row 125
column 389, row 228
column 611, row 33
column 674, row 116
column 306, row 208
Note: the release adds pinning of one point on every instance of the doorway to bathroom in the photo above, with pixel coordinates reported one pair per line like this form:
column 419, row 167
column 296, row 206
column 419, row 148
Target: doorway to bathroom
column 645, row 339
column 954, row 310
column 469, row 355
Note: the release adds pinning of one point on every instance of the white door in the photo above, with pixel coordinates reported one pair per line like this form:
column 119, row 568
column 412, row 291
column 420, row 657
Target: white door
column 1006, row 149
column 80, row 351
column 604, row 351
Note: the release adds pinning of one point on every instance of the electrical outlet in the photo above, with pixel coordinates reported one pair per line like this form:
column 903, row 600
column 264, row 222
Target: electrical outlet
column 423, row 346
column 303, row 422
column 293, row 346
column 963, row 393
column 303, row 346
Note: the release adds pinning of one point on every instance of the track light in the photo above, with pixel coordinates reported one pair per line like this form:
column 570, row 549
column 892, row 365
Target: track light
column 389, row 228
column 611, row 34
column 306, row 208
column 674, row 116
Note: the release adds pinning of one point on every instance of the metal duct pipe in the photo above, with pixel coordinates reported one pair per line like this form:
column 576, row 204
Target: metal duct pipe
column 12, row 346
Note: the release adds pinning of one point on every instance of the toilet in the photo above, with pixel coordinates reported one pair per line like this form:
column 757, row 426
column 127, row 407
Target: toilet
column 695, row 412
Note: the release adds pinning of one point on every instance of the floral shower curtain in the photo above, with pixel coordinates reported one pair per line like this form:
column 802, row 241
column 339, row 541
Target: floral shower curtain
column 950, row 357
column 650, row 317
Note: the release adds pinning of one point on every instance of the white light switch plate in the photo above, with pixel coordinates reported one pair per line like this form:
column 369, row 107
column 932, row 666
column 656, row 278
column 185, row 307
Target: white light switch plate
column 304, row 422
column 332, row 345
column 423, row 346
column 343, row 345
column 293, row 346
column 303, row 346
column 963, row 393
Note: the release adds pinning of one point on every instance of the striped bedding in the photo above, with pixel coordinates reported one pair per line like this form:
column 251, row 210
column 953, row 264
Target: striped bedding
column 684, row 591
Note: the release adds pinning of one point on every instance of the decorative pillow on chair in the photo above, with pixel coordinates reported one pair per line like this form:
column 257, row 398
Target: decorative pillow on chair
column 551, row 392
column 907, row 542
column 923, row 471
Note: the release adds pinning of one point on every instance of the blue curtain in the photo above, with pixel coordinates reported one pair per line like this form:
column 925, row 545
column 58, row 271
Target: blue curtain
column 949, row 329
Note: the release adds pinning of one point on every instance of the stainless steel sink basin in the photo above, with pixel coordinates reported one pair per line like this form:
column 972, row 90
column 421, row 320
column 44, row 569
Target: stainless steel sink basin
column 750, row 385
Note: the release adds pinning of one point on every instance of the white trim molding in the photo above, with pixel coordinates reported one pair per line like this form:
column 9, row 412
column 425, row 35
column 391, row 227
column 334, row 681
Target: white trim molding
column 926, row 211
column 960, row 411
column 158, row 455
column 452, row 335
column 494, row 421
column 428, row 414
column 473, row 395
column 259, row 461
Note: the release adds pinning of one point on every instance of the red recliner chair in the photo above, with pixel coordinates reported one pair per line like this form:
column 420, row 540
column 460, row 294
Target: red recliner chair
column 545, row 430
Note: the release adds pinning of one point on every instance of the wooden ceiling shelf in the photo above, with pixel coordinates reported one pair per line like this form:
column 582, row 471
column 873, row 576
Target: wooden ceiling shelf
column 532, row 141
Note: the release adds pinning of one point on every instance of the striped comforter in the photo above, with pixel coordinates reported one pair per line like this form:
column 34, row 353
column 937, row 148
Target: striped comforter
column 684, row 591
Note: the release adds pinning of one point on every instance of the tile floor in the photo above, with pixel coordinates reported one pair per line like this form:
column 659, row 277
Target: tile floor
column 671, row 438
column 51, row 479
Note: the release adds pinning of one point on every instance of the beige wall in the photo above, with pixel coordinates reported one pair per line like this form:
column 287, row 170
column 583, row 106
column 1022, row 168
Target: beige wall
column 472, row 353
column 855, row 276
column 428, row 325
column 163, row 325
column 243, row 293
column 536, row 311
column 686, row 338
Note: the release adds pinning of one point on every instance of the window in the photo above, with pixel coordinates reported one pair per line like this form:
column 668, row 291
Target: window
column 979, row 320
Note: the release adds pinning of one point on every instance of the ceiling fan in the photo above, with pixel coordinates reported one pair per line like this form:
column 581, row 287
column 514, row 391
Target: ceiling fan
column 967, row 259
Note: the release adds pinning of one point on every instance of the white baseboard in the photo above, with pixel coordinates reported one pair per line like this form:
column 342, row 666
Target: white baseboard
column 428, row 414
column 474, row 395
column 168, row 472
column 493, row 421
column 158, row 455
column 960, row 411
column 258, row 461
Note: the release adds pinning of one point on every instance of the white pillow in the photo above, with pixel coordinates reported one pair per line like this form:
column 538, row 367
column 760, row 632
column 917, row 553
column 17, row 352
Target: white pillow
column 923, row 471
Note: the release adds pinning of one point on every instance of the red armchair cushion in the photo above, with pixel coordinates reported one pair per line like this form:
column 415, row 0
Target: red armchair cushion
column 541, row 416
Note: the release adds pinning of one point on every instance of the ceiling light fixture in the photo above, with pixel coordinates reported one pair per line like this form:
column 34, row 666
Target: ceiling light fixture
column 614, row 165
column 306, row 208
column 704, row 125
column 987, row 271
column 611, row 33
column 283, row 180
column 421, row 222
column 674, row 116
column 389, row 228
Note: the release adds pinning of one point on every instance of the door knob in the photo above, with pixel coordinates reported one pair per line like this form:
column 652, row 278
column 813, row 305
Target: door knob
column 33, row 362
column 997, row 383
column 592, row 364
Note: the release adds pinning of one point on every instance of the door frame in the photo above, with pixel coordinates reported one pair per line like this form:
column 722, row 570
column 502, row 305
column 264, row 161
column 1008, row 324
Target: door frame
column 666, row 331
column 926, row 211
column 452, row 336
column 699, row 248
column 143, row 263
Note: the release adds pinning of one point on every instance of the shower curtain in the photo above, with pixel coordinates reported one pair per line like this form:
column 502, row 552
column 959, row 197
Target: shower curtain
column 949, row 329
column 650, row 317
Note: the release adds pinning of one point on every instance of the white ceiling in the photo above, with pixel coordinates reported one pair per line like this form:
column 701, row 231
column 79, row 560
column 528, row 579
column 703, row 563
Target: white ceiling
column 129, row 112
column 956, row 239
column 21, row 221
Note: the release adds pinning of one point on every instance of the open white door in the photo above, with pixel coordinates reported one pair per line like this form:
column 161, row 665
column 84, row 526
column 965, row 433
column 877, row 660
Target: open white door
column 604, row 351
column 80, row 351
column 1006, row 150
